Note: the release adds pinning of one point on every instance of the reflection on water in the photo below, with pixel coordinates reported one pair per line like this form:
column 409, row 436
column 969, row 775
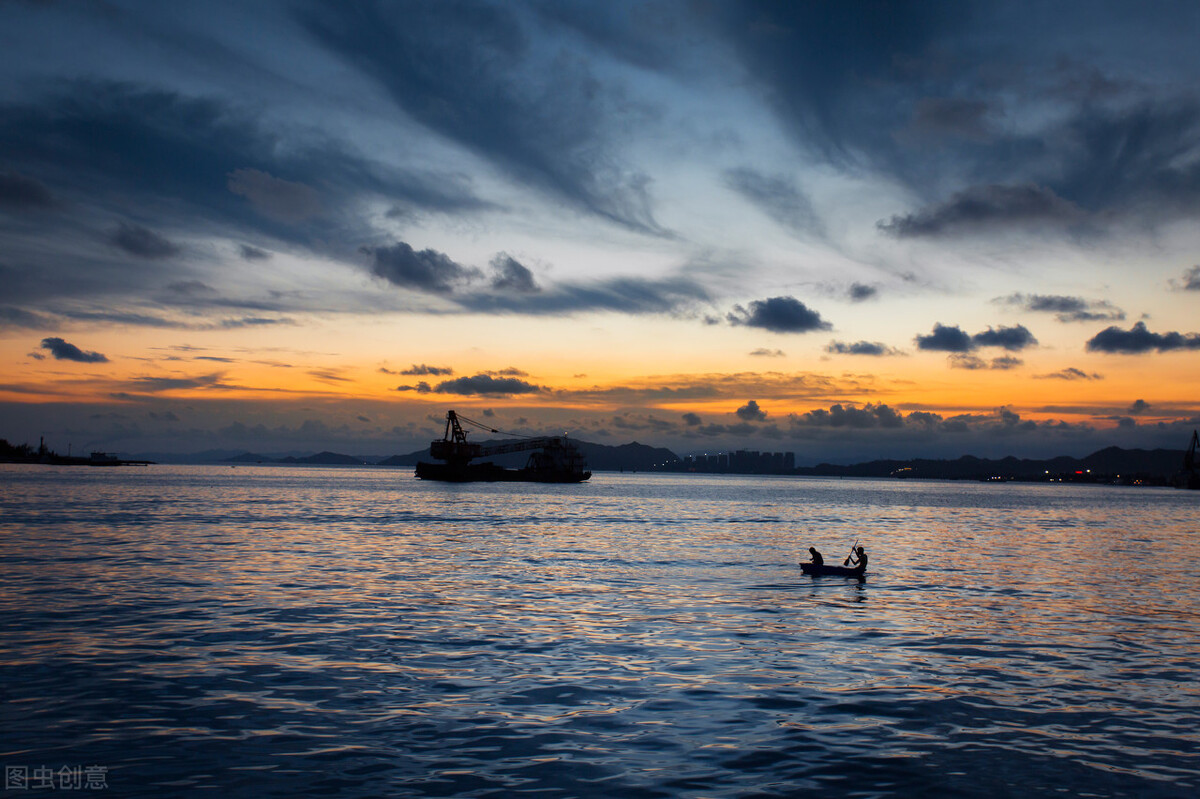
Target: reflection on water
column 357, row 632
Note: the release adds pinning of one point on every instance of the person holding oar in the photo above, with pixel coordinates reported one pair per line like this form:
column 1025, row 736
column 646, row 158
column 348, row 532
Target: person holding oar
column 816, row 567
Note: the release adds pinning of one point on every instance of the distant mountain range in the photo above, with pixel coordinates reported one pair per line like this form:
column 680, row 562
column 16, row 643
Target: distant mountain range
column 1107, row 465
column 600, row 457
column 325, row 458
column 1155, row 465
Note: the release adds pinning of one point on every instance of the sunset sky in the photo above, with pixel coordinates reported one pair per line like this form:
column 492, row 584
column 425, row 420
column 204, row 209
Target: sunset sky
column 847, row 230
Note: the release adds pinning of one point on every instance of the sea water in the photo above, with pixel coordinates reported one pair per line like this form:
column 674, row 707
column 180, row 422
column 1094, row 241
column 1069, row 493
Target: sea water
column 268, row 631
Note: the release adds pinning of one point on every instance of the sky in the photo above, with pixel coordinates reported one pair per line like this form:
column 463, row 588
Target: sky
column 847, row 230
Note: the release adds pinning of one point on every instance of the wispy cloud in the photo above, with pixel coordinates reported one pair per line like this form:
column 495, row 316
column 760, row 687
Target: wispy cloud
column 1064, row 308
column 982, row 208
column 1070, row 373
column 778, row 197
column 875, row 348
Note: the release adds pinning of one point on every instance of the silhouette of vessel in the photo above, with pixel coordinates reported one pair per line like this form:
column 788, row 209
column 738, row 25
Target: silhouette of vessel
column 552, row 459
column 1189, row 475
column 818, row 570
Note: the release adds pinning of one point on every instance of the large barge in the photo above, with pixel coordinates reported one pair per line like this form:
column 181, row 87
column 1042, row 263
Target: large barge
column 1189, row 475
column 552, row 459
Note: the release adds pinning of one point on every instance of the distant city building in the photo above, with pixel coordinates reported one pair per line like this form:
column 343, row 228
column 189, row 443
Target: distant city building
column 738, row 462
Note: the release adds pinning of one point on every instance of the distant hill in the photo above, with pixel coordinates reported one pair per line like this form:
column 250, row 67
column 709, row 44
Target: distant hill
column 1112, row 464
column 1157, row 464
column 250, row 457
column 324, row 459
column 632, row 457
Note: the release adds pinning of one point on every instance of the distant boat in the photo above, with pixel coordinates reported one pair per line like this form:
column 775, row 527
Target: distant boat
column 552, row 459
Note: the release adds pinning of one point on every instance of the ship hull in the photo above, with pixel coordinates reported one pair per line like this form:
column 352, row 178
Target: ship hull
column 491, row 473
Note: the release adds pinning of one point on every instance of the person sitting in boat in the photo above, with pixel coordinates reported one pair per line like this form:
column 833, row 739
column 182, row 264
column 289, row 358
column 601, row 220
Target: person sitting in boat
column 817, row 560
column 859, row 561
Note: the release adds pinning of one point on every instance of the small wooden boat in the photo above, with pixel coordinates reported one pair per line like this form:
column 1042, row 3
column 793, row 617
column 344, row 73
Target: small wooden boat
column 833, row 571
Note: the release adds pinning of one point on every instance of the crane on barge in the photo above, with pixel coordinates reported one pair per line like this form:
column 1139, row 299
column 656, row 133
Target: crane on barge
column 552, row 459
column 1189, row 476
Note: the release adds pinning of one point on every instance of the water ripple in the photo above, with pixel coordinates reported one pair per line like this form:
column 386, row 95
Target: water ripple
column 355, row 632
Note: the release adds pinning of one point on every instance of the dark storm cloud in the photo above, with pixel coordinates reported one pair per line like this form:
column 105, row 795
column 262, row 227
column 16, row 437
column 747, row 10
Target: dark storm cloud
column 470, row 72
column 514, row 290
column 877, row 348
column 859, row 292
column 980, row 208
column 945, row 339
column 190, row 164
column 906, row 89
column 142, row 242
column 1065, row 309
column 509, row 274
column 1135, row 157
column 1191, row 280
column 842, row 419
column 1139, row 407
column 777, row 197
column 1138, row 340
column 1104, row 162
column 1070, row 373
column 830, row 69
column 691, row 419
column 424, row 270
column 483, row 384
column 750, row 412
column 1010, row 338
column 779, row 315
column 21, row 193
column 422, row 369
column 953, row 339
column 647, row 422
column 65, row 351
column 838, row 415
column 1098, row 163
